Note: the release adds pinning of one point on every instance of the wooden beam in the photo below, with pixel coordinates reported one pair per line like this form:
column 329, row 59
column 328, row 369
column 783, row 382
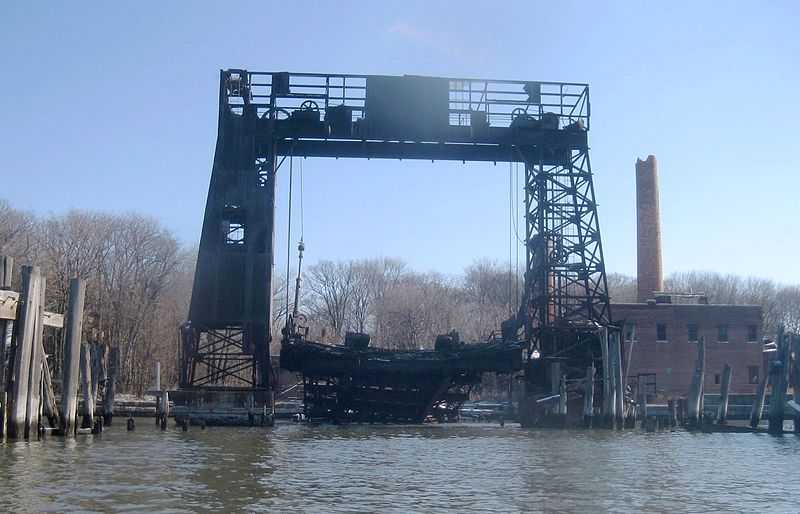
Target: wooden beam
column 9, row 300
column 49, row 407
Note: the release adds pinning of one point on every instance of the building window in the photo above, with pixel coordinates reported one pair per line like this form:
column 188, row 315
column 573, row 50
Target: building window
column 752, row 333
column 235, row 234
column 716, row 379
column 661, row 332
column 722, row 334
column 693, row 332
column 752, row 374
column 630, row 332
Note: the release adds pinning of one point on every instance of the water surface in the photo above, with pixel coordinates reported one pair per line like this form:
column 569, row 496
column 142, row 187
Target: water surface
column 384, row 468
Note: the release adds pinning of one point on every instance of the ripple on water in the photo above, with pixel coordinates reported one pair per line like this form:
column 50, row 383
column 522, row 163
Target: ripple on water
column 386, row 468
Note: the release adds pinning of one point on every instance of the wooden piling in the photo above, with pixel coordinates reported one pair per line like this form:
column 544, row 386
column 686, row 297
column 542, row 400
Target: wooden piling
column 164, row 408
column 722, row 413
column 111, row 385
column 758, row 404
column 73, row 327
column 99, row 353
column 6, row 267
column 588, row 397
column 695, row 402
column 642, row 403
column 778, row 372
column 672, row 405
column 27, row 312
column 607, row 392
column 562, row 398
column 796, row 387
column 34, row 399
column 555, row 377
column 619, row 387
column 86, row 387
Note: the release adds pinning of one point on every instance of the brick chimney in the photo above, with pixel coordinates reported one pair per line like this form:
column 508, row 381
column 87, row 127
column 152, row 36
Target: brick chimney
column 648, row 230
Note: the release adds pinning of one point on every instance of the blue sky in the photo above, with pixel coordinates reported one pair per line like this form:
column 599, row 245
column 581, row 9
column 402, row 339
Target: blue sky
column 114, row 108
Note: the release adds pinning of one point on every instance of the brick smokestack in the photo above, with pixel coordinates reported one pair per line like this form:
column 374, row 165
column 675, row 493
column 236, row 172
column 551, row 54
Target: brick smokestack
column 648, row 230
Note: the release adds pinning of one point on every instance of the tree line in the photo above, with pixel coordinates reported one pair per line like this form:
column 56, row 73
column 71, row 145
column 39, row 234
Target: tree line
column 780, row 302
column 139, row 280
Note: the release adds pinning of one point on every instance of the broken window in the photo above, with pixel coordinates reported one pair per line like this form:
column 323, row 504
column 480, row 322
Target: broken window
column 722, row 334
column 235, row 234
column 693, row 332
column 661, row 332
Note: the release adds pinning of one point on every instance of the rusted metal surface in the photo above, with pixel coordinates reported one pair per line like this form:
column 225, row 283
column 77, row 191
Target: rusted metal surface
column 355, row 383
column 266, row 116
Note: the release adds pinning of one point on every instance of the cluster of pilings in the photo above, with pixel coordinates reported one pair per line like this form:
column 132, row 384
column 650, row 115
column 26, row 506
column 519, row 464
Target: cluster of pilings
column 604, row 400
column 693, row 414
column 29, row 405
column 620, row 407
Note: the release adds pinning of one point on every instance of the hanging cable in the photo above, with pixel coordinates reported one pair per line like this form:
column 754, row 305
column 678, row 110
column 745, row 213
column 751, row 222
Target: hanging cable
column 510, row 238
column 300, row 249
column 516, row 230
column 302, row 227
column 289, row 235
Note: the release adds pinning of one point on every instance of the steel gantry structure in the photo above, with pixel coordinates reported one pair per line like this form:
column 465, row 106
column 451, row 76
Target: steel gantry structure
column 266, row 116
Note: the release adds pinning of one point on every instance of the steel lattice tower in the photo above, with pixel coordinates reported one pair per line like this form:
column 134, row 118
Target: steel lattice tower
column 566, row 298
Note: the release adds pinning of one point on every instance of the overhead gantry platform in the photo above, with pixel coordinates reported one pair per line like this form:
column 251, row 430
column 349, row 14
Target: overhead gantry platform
column 266, row 116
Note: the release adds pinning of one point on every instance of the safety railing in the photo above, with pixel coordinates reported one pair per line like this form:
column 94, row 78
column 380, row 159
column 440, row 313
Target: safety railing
column 493, row 103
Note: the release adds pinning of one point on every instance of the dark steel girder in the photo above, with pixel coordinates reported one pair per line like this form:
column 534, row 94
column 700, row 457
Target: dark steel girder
column 431, row 151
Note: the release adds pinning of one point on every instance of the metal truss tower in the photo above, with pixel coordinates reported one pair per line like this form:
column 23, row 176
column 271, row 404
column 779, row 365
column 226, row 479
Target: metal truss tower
column 566, row 299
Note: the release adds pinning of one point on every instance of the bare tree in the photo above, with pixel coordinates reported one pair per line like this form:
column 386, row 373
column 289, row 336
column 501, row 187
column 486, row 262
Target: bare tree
column 621, row 288
column 17, row 233
column 331, row 288
column 489, row 296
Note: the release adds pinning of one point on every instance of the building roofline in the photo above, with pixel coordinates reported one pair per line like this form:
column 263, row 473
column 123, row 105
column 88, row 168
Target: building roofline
column 687, row 305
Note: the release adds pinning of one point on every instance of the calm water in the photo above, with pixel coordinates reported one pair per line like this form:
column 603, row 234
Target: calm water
column 432, row 468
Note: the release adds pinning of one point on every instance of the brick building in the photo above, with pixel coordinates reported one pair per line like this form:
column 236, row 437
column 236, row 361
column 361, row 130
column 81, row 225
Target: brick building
column 661, row 331
column 660, row 344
